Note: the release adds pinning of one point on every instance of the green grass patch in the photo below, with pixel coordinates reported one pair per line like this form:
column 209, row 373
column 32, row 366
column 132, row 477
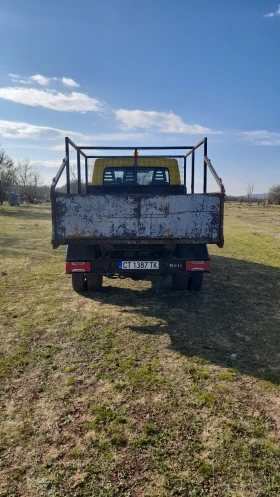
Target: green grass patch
column 227, row 376
column 139, row 390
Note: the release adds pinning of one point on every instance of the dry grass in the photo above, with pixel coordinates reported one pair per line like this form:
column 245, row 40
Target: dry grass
column 133, row 392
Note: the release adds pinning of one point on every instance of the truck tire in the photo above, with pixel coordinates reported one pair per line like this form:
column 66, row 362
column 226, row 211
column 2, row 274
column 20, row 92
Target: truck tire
column 195, row 281
column 78, row 282
column 180, row 281
column 94, row 282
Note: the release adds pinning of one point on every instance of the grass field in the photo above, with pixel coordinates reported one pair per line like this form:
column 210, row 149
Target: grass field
column 134, row 391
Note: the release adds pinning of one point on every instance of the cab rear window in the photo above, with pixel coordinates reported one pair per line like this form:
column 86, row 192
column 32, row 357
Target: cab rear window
column 118, row 176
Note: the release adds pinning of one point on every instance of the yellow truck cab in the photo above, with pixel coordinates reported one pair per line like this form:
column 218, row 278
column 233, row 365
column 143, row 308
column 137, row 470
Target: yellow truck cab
column 158, row 171
column 135, row 216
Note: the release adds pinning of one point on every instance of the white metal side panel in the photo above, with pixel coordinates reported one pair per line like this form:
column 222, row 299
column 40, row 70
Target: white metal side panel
column 193, row 216
column 96, row 216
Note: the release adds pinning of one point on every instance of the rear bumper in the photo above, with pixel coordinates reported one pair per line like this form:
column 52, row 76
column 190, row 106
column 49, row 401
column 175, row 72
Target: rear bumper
column 111, row 266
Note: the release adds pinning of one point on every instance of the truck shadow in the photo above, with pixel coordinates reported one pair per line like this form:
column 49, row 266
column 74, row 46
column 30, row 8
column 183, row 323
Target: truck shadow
column 27, row 211
column 233, row 322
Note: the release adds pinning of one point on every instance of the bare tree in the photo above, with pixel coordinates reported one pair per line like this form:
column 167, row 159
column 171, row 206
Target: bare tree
column 43, row 195
column 74, row 179
column 249, row 188
column 73, row 182
column 274, row 195
column 28, row 180
column 7, row 176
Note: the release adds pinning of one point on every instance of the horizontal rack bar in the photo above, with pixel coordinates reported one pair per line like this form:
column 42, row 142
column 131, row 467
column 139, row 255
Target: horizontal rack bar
column 138, row 156
column 131, row 148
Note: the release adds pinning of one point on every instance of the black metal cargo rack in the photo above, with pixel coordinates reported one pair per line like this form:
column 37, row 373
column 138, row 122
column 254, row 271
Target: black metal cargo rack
column 81, row 154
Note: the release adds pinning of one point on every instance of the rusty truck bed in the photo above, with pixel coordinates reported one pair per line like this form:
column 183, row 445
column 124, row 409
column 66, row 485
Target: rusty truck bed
column 136, row 215
column 134, row 218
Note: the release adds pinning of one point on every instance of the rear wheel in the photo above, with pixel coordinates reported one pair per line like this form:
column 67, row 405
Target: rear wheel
column 195, row 281
column 94, row 282
column 78, row 282
column 180, row 281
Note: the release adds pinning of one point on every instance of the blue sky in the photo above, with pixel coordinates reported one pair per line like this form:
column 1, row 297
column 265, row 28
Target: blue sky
column 120, row 72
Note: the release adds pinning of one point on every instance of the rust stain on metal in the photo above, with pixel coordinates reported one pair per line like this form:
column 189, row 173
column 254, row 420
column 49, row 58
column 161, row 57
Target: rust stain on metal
column 138, row 215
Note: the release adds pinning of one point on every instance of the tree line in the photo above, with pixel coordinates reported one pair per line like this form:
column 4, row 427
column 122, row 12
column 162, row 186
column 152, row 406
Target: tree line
column 23, row 178
column 272, row 198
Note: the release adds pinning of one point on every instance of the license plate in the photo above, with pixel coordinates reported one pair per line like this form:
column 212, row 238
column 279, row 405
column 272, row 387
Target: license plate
column 132, row 265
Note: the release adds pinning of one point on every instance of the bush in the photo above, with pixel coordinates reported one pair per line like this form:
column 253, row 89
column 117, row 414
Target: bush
column 274, row 195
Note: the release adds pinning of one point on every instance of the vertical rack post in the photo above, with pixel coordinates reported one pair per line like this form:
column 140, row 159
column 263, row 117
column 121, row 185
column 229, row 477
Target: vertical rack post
column 86, row 171
column 205, row 166
column 79, row 169
column 185, row 171
column 67, row 164
column 192, row 183
column 135, row 166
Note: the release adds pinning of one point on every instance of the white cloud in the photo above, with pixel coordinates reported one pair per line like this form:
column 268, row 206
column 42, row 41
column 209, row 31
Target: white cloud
column 163, row 122
column 20, row 81
column 99, row 138
column 25, row 131
column 51, row 99
column 273, row 14
column 41, row 80
column 59, row 148
column 69, row 82
column 20, row 130
column 37, row 78
column 262, row 137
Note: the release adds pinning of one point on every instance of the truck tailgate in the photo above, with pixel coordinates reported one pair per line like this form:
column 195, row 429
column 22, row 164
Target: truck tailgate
column 192, row 218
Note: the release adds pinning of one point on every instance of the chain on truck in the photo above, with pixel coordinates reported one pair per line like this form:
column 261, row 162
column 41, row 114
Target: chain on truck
column 132, row 212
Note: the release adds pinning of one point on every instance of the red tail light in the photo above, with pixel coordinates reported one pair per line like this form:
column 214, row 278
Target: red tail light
column 197, row 265
column 77, row 267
